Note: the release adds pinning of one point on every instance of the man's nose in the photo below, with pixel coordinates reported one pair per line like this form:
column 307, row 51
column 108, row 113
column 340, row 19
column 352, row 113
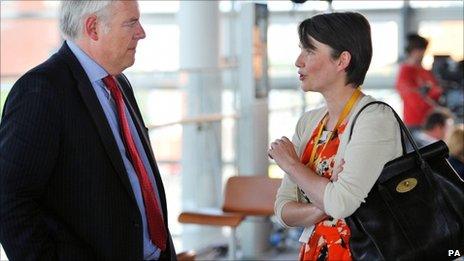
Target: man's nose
column 140, row 32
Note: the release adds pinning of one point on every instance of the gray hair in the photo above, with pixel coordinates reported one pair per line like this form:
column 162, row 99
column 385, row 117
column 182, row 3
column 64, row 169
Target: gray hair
column 73, row 13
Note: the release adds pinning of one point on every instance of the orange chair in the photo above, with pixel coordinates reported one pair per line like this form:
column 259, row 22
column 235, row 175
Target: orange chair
column 186, row 256
column 244, row 196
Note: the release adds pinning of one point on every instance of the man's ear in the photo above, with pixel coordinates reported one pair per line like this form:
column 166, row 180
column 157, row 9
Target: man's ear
column 344, row 60
column 90, row 27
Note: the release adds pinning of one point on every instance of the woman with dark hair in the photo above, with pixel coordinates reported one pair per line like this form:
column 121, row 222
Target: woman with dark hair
column 327, row 177
column 417, row 86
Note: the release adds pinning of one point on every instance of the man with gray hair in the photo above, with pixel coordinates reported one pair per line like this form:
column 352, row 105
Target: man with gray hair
column 78, row 178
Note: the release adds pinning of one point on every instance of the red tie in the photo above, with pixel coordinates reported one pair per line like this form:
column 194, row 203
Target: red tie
column 156, row 227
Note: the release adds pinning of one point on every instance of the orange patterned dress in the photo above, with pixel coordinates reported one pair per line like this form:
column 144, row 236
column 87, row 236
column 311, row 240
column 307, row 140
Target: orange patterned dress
column 330, row 237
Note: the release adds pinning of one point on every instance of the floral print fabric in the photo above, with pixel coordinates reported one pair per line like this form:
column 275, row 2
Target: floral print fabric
column 330, row 237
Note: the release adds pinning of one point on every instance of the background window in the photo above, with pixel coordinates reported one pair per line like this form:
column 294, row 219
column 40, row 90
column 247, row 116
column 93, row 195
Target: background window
column 445, row 38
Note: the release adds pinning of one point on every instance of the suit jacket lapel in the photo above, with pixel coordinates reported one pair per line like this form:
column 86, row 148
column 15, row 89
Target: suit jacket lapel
column 93, row 105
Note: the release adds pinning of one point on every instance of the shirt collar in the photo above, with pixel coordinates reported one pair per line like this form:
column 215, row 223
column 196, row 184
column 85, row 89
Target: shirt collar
column 93, row 70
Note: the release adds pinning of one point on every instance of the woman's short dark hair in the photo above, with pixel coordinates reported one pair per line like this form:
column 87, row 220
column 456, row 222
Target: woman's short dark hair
column 342, row 31
column 415, row 42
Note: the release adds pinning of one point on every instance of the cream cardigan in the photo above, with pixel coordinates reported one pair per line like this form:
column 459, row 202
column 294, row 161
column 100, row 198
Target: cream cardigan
column 375, row 141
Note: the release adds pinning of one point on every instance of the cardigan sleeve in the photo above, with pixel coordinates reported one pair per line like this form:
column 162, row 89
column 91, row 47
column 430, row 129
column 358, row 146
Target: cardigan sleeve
column 288, row 190
column 375, row 141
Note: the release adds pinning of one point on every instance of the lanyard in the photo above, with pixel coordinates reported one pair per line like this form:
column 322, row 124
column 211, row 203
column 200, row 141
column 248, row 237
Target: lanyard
column 346, row 110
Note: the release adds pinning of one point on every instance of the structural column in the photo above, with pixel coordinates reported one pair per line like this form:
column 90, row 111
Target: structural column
column 201, row 143
column 252, row 135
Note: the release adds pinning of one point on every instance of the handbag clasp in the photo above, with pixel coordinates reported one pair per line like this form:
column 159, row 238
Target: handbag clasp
column 406, row 185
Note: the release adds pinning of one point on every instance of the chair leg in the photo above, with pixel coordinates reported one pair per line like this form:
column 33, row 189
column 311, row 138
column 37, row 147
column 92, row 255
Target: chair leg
column 232, row 244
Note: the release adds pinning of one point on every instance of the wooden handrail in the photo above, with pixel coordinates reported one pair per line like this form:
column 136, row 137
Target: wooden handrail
column 211, row 118
column 198, row 119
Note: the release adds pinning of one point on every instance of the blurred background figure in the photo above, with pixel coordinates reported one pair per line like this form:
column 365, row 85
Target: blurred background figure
column 450, row 75
column 417, row 86
column 456, row 146
column 437, row 126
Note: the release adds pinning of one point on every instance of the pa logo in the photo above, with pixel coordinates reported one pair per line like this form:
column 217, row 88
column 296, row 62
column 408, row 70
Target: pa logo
column 452, row 252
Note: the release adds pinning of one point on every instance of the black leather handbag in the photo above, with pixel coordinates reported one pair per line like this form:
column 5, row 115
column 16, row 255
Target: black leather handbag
column 415, row 211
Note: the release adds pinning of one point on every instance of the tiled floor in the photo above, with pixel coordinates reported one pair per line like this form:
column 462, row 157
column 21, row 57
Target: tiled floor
column 290, row 254
column 287, row 242
column 217, row 254
column 287, row 255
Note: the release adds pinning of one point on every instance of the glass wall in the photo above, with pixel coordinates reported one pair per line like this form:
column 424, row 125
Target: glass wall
column 29, row 35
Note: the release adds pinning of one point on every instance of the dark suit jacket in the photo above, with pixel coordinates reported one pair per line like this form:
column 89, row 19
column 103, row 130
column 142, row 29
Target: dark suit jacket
column 64, row 191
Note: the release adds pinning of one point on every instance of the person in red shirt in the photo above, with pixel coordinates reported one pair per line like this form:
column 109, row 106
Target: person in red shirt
column 417, row 86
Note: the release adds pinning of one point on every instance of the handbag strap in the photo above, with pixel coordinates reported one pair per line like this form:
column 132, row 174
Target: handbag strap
column 403, row 128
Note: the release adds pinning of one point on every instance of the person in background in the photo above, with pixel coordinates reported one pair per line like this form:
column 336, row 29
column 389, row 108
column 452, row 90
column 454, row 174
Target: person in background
column 417, row 86
column 437, row 126
column 78, row 179
column 455, row 144
column 327, row 178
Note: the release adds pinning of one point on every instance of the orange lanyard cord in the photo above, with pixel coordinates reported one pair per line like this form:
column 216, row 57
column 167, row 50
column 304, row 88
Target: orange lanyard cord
column 346, row 110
